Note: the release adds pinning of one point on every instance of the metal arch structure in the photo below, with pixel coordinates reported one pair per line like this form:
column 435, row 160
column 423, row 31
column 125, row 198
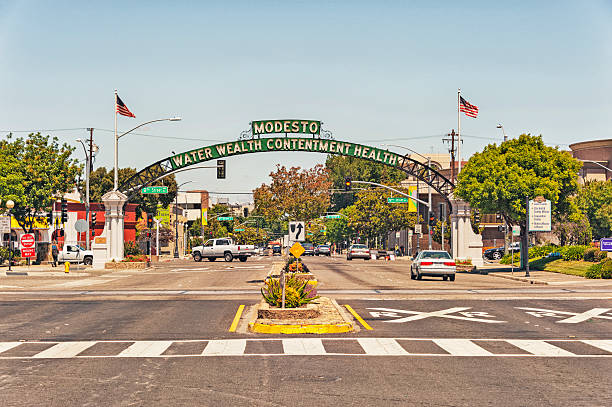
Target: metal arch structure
column 175, row 163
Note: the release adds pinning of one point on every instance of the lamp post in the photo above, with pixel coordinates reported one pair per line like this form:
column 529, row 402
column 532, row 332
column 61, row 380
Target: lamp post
column 499, row 126
column 116, row 183
column 88, row 158
column 428, row 187
column 10, row 205
column 176, row 251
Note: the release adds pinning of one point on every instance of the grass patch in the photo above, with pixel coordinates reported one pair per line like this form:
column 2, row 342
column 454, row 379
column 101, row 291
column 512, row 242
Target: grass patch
column 574, row 268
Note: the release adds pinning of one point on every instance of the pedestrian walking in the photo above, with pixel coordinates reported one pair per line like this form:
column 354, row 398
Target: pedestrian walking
column 54, row 253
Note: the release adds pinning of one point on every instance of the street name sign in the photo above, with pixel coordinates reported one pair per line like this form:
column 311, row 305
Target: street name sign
column 297, row 250
column 605, row 245
column 540, row 215
column 397, row 200
column 238, row 230
column 332, row 216
column 155, row 190
column 221, row 218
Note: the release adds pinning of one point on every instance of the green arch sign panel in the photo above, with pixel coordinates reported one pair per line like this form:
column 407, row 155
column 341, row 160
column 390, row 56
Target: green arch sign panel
column 314, row 145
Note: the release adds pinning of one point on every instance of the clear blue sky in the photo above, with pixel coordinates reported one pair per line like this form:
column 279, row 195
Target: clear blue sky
column 374, row 72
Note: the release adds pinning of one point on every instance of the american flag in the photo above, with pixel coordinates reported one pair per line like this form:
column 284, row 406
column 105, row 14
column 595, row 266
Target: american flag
column 467, row 108
column 121, row 108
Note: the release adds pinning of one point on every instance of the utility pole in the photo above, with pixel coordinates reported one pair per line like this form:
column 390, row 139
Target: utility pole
column 451, row 139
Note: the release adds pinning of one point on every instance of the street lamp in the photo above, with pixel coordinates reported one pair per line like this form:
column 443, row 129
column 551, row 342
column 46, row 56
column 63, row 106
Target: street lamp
column 88, row 158
column 116, row 184
column 176, row 251
column 499, row 126
column 428, row 188
column 10, row 205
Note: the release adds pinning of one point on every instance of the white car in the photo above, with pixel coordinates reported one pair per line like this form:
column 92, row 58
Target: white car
column 433, row 263
column 358, row 251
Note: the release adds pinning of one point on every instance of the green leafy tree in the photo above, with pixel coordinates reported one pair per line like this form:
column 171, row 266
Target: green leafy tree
column 250, row 235
column 502, row 178
column 357, row 169
column 34, row 172
column 101, row 181
column 594, row 199
column 338, row 230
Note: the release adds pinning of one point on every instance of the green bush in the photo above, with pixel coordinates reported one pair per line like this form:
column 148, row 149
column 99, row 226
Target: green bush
column 297, row 292
column 130, row 249
column 541, row 251
column 599, row 255
column 600, row 270
column 572, row 253
column 589, row 254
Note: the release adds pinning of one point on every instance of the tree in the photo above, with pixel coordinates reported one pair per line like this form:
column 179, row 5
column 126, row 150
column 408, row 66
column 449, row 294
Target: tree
column 502, row 178
column 595, row 200
column 251, row 235
column 101, row 181
column 338, row 230
column 358, row 169
column 34, row 173
column 294, row 194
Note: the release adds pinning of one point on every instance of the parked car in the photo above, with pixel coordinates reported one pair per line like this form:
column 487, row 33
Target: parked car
column 323, row 250
column 309, row 249
column 224, row 248
column 358, row 251
column 495, row 253
column 433, row 263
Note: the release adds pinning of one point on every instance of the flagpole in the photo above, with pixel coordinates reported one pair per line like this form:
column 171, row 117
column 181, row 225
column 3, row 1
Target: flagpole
column 116, row 183
column 459, row 129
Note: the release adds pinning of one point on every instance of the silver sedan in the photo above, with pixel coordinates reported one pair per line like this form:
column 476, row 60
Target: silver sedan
column 433, row 263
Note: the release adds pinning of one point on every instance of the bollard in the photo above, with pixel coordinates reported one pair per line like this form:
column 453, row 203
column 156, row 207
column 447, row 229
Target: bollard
column 67, row 267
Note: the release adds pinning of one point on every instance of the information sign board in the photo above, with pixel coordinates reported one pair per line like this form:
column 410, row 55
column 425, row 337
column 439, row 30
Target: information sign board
column 5, row 224
column 540, row 215
column 418, row 229
column 605, row 245
column 155, row 190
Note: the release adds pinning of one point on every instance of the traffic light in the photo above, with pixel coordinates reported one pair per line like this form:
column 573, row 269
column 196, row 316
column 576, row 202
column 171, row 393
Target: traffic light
column 50, row 219
column 432, row 220
column 246, row 212
column 476, row 216
column 220, row 169
column 149, row 220
column 93, row 218
column 64, row 211
column 348, row 184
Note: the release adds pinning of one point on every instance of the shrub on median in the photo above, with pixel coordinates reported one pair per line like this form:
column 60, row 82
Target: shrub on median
column 297, row 292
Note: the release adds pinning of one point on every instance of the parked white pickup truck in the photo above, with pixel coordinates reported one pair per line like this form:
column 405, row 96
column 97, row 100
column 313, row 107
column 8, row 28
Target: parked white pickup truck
column 74, row 253
column 224, row 248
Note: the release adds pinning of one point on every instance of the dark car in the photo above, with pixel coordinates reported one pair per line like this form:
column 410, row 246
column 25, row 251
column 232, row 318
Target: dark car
column 495, row 253
column 308, row 249
column 276, row 249
column 323, row 250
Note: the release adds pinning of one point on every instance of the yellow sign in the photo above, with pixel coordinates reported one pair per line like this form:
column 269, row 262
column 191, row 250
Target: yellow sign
column 39, row 223
column 297, row 250
column 412, row 191
column 204, row 217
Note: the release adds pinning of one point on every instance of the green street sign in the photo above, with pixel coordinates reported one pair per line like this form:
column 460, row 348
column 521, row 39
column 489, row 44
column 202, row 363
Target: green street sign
column 238, row 230
column 154, row 190
column 220, row 218
column 397, row 200
column 332, row 216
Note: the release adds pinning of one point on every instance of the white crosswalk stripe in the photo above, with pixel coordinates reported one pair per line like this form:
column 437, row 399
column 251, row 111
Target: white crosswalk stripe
column 305, row 347
column 64, row 350
column 145, row 349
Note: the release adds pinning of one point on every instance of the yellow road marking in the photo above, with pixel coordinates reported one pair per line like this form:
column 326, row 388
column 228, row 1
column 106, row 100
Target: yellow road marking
column 236, row 319
column 356, row 315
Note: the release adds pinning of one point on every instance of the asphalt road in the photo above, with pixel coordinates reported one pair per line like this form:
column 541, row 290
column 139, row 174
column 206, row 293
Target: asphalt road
column 144, row 349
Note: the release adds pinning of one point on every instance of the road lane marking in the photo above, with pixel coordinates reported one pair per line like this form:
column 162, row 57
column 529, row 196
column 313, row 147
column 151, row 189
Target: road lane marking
column 356, row 315
column 461, row 347
column 595, row 312
column 303, row 346
column 225, row 347
column 64, row 350
column 145, row 349
column 4, row 346
column 575, row 318
column 234, row 324
column 416, row 315
column 601, row 344
column 539, row 348
column 381, row 346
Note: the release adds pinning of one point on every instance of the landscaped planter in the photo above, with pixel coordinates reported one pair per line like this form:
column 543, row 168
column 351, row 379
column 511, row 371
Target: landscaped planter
column 126, row 265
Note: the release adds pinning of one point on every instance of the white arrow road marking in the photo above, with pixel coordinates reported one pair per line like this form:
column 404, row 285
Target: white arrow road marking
column 442, row 314
column 574, row 319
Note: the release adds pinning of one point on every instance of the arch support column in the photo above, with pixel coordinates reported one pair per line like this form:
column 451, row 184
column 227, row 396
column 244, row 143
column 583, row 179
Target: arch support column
column 109, row 245
column 466, row 244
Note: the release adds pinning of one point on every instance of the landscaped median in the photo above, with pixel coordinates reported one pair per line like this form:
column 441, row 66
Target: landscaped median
column 304, row 312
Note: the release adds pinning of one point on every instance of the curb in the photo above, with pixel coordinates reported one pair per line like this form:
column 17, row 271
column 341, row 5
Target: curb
column 300, row 329
column 523, row 279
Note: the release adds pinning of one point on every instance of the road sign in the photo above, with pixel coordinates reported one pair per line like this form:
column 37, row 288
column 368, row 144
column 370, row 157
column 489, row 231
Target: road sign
column 220, row 218
column 418, row 229
column 297, row 231
column 28, row 252
column 397, row 200
column 332, row 216
column 516, row 230
column 80, row 225
column 297, row 250
column 27, row 241
column 539, row 215
column 5, row 224
column 155, row 190
column 238, row 230
column 605, row 245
